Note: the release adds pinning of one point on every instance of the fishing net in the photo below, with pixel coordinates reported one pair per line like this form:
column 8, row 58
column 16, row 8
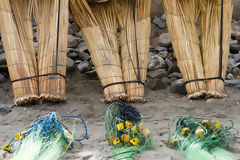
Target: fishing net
column 201, row 139
column 125, row 131
column 47, row 138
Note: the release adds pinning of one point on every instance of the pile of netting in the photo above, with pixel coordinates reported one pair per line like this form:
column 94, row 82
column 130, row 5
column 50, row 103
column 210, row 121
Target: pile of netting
column 202, row 139
column 46, row 139
column 125, row 131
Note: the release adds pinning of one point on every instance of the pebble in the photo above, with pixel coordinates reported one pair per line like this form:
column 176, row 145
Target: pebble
column 231, row 62
column 169, row 62
column 155, row 62
column 72, row 55
column 160, row 49
column 237, row 57
column 70, row 65
column 232, row 82
column 158, row 22
column 230, row 76
column 158, row 74
column 3, row 59
column 74, row 27
column 175, row 74
column 235, row 48
column 173, row 68
column 83, row 55
column 83, row 67
column 166, row 80
column 178, row 86
column 2, row 78
column 73, row 41
column 165, row 40
column 5, row 109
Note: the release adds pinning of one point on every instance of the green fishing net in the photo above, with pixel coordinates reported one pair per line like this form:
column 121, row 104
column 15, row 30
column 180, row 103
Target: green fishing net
column 200, row 138
column 125, row 131
column 46, row 139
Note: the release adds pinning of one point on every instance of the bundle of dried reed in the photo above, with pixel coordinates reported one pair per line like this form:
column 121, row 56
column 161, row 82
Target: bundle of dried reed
column 203, row 70
column 210, row 42
column 17, row 35
column 134, row 23
column 99, row 27
column 181, row 16
column 52, row 20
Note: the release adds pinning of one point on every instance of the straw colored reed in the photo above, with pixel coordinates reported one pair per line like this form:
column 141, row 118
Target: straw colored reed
column 99, row 27
column 181, row 18
column 196, row 63
column 210, row 42
column 17, row 34
column 52, row 87
column 134, row 55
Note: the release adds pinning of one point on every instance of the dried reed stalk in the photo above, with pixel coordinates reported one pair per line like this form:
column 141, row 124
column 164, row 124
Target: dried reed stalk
column 17, row 34
column 210, row 42
column 181, row 16
column 99, row 27
column 134, row 57
column 52, row 87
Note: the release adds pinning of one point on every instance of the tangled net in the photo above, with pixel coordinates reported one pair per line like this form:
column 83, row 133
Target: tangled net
column 46, row 139
column 201, row 139
column 125, row 131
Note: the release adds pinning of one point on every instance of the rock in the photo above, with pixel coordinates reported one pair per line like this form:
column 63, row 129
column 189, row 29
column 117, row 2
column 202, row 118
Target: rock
column 161, row 24
column 79, row 34
column 231, row 62
column 236, row 72
column 74, row 27
column 169, row 62
column 235, row 48
column 72, row 55
column 237, row 57
column 163, row 54
column 70, row 65
column 155, row 62
column 233, row 35
column 238, row 86
column 3, row 59
column 163, row 17
column 73, row 42
column 178, row 86
column 83, row 55
column 35, row 36
column 238, row 36
column 232, row 82
column 71, row 19
column 230, row 76
column 160, row 49
column 5, row 109
column 83, row 67
column 176, row 75
column 233, row 42
column 157, row 74
column 156, row 84
column 82, row 47
column 165, row 40
column 173, row 69
column 35, row 47
column 70, row 31
column 1, row 45
column 236, row 65
column 2, row 78
column 166, row 80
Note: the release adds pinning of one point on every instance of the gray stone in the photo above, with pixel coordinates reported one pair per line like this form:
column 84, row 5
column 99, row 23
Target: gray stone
column 71, row 19
column 156, row 84
column 163, row 54
column 169, row 62
column 82, row 47
column 1, row 45
column 165, row 40
column 237, row 58
column 74, row 27
column 166, row 80
column 83, row 67
column 173, row 68
column 79, row 34
column 175, row 74
column 236, row 65
column 160, row 23
column 5, row 109
column 157, row 74
column 231, row 62
column 230, row 76
column 2, row 78
column 70, row 31
column 178, row 86
column 163, row 17
column 232, row 82
column 83, row 55
column 233, row 35
column 155, row 62
column 160, row 49
column 235, row 48
column 238, row 86
column 236, row 72
column 73, row 41
column 72, row 55
column 233, row 42
column 70, row 65
column 3, row 59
